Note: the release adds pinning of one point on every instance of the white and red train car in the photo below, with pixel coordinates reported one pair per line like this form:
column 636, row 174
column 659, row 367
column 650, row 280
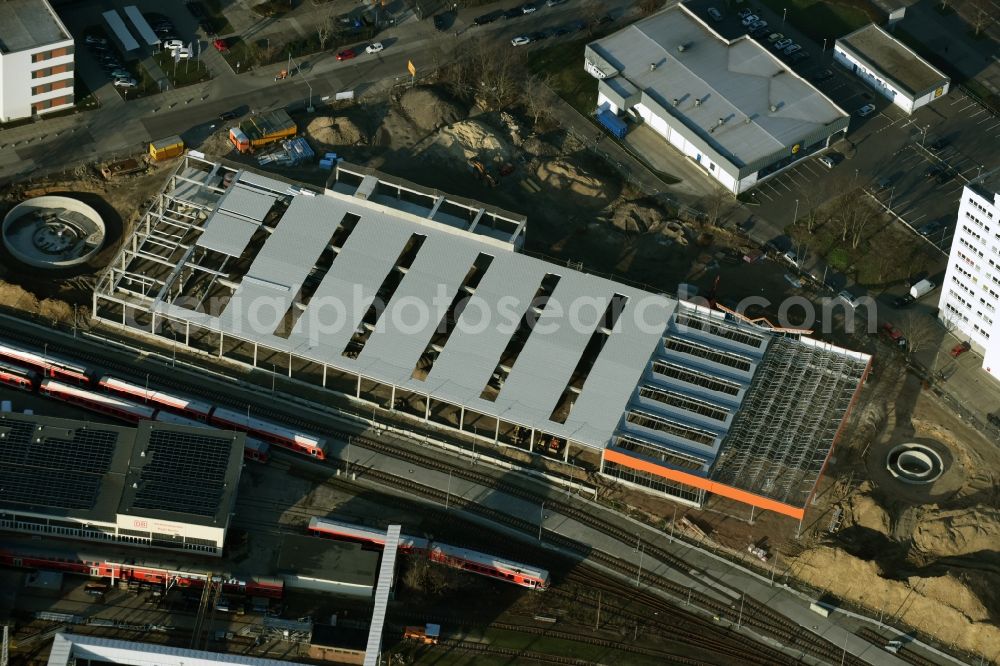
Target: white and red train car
column 300, row 442
column 452, row 556
column 18, row 377
column 46, row 364
column 129, row 568
column 254, row 449
column 100, row 402
column 195, row 409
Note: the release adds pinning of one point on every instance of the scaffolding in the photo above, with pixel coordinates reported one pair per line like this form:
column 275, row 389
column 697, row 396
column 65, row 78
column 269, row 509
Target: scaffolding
column 789, row 420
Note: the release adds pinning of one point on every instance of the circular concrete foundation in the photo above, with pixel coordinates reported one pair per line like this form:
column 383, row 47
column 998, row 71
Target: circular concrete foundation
column 914, row 463
column 53, row 232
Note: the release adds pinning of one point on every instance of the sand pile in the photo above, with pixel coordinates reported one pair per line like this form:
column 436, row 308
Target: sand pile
column 470, row 139
column 943, row 606
column 957, row 532
column 327, row 132
column 217, row 143
column 635, row 217
column 562, row 174
column 864, row 511
column 428, row 109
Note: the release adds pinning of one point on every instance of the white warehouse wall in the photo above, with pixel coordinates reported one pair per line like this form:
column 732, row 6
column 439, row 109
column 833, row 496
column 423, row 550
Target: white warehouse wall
column 16, row 82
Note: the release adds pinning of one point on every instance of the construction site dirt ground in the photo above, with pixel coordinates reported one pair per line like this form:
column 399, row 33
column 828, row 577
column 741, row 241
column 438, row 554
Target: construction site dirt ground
column 927, row 561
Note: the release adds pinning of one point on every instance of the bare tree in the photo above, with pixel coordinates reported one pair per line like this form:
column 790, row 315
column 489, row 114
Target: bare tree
column 538, row 97
column 921, row 331
column 324, row 29
column 854, row 214
column 717, row 206
column 979, row 13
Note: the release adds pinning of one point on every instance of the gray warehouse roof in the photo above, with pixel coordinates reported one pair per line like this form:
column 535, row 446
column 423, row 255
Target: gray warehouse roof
column 91, row 471
column 26, row 24
column 895, row 61
column 764, row 107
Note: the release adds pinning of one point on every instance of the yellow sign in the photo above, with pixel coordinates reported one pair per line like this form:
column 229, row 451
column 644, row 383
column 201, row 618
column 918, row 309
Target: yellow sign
column 796, row 148
column 409, row 66
column 939, row 92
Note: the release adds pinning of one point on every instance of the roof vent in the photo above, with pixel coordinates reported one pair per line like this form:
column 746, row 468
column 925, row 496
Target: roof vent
column 697, row 102
column 652, row 66
column 676, row 101
column 681, row 48
column 721, row 121
column 746, row 121
column 774, row 109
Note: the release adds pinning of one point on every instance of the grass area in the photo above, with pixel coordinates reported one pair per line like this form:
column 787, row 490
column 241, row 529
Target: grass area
column 563, row 64
column 824, row 19
column 182, row 73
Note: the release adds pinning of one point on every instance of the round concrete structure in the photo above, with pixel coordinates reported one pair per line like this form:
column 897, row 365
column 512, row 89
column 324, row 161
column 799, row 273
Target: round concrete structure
column 53, row 232
column 914, row 463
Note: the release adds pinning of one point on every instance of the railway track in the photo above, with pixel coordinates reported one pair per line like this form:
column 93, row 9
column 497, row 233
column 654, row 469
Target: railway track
column 904, row 654
column 755, row 614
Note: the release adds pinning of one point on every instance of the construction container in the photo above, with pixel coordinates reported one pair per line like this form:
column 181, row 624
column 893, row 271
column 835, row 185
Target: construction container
column 164, row 149
column 262, row 129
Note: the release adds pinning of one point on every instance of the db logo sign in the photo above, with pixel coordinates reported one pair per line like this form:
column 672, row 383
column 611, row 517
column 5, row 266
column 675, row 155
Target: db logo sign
column 141, row 524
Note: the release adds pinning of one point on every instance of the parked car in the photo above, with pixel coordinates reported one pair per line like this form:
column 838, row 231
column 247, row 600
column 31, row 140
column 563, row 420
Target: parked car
column 90, row 39
column 229, row 115
column 346, row 54
column 902, row 301
column 221, row 45
column 374, row 47
column 791, row 258
column 529, row 8
column 931, row 227
column 848, row 297
column 715, row 14
column 487, row 18
column 750, row 18
column 827, row 161
column 554, row 3
column 757, row 33
column 121, row 74
column 798, row 57
column 775, row 37
column 745, row 12
column 183, row 54
column 933, row 171
column 782, row 43
column 126, row 83
column 938, row 145
column 520, row 40
column 758, row 24
column 866, row 110
column 173, row 44
column 792, row 50
column 825, row 75
column 441, row 21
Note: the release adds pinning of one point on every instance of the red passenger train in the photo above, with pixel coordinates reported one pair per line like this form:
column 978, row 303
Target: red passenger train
column 18, row 377
column 452, row 556
column 48, row 365
column 130, row 568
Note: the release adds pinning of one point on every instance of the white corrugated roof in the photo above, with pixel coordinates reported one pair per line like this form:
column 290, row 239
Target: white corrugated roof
column 65, row 647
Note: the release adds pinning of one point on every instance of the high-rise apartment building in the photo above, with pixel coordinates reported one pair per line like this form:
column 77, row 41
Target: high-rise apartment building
column 970, row 295
column 36, row 60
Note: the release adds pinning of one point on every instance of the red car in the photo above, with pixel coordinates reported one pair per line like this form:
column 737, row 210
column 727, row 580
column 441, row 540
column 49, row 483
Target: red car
column 220, row 45
column 346, row 55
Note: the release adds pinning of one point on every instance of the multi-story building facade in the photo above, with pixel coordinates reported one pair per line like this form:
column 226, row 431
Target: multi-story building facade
column 970, row 295
column 36, row 60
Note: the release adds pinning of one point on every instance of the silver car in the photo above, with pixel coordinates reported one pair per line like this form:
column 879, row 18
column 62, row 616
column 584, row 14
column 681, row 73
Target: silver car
column 792, row 49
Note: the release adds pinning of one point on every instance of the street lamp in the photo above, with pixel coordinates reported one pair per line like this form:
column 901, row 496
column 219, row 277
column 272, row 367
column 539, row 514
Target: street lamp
column 795, row 218
column 824, row 45
column 784, row 13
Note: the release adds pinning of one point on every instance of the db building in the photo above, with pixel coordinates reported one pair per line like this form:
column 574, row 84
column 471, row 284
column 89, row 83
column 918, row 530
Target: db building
column 156, row 486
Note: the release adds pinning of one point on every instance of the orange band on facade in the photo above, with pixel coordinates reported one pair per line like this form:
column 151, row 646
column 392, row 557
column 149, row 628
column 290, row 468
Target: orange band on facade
column 704, row 484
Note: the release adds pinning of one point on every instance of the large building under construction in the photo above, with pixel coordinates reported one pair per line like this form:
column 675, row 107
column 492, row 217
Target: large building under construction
column 421, row 303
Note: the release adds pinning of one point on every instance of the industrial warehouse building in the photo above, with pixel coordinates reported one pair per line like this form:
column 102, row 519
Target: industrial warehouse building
column 157, row 485
column 420, row 303
column 36, row 60
column 731, row 106
column 970, row 295
column 890, row 67
column 77, row 650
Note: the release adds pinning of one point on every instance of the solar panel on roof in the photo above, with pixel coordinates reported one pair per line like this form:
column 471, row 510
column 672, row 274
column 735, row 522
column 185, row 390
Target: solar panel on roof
column 184, row 472
column 53, row 467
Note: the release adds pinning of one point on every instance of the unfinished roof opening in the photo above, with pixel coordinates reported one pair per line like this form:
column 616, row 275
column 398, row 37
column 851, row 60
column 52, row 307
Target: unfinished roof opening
column 383, row 296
